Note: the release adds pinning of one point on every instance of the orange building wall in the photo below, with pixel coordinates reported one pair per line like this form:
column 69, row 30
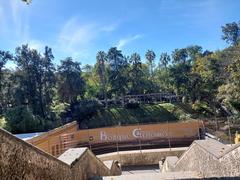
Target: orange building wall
column 57, row 141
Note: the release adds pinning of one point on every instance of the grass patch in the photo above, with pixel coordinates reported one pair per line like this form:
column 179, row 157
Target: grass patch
column 180, row 110
column 142, row 115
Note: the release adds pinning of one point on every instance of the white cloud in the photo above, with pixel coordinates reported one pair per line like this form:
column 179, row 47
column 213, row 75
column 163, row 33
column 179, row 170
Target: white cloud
column 123, row 42
column 109, row 28
column 73, row 34
column 14, row 27
column 36, row 44
column 76, row 38
column 1, row 17
column 16, row 16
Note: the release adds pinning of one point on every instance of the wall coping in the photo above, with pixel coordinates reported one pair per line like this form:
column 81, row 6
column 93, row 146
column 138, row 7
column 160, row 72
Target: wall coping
column 71, row 155
column 53, row 131
column 143, row 151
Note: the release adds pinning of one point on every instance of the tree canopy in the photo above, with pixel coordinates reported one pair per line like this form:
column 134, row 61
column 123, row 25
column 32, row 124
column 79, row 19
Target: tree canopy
column 38, row 94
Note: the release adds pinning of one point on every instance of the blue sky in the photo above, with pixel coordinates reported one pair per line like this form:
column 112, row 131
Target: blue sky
column 80, row 28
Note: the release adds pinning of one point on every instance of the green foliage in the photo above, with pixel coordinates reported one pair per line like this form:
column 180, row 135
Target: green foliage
column 231, row 33
column 180, row 77
column 101, row 69
column 141, row 114
column 164, row 60
column 45, row 96
column 118, row 71
column 177, row 110
column 180, row 55
column 2, row 122
column 194, row 52
column 71, row 85
column 59, row 110
column 4, row 58
column 85, row 109
column 20, row 119
column 203, row 109
column 136, row 75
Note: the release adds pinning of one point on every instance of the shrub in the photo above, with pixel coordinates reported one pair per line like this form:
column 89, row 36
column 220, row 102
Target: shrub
column 132, row 104
column 85, row 109
column 202, row 108
column 21, row 120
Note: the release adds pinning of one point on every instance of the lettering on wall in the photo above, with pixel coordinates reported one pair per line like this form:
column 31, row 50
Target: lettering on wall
column 136, row 133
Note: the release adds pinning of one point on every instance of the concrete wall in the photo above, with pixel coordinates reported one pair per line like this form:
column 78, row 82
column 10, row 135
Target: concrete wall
column 144, row 157
column 20, row 160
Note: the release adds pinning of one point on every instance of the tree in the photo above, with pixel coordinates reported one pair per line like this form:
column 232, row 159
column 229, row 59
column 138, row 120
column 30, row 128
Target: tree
column 229, row 92
column 101, row 59
column 150, row 56
column 180, row 55
column 71, row 85
column 208, row 68
column 4, row 57
column 136, row 74
column 27, row 1
column 90, row 76
column 29, row 75
column 179, row 77
column 206, row 53
column 164, row 60
column 49, row 78
column 231, row 33
column 193, row 52
column 20, row 120
column 118, row 66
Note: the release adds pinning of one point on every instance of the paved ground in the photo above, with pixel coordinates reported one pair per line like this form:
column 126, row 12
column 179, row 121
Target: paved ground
column 140, row 169
column 155, row 176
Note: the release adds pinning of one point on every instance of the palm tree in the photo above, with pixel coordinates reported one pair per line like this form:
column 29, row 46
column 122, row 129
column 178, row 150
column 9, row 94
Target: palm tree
column 164, row 59
column 150, row 56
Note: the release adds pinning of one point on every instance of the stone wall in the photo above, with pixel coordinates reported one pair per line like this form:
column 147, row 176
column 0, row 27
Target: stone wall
column 231, row 162
column 197, row 159
column 20, row 160
column 144, row 157
column 207, row 164
column 90, row 166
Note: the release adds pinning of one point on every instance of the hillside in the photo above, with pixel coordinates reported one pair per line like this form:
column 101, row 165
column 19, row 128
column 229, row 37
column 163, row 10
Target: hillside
column 143, row 114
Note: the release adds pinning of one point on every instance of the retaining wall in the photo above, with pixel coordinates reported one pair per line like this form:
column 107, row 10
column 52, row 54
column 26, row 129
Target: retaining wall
column 215, row 163
column 144, row 157
column 20, row 160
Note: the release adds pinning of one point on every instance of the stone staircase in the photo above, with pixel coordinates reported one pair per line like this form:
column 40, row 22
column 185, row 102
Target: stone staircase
column 209, row 158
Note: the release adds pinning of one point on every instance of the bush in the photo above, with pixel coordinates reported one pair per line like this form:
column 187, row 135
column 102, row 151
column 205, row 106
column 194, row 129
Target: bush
column 21, row 120
column 202, row 108
column 85, row 109
column 132, row 104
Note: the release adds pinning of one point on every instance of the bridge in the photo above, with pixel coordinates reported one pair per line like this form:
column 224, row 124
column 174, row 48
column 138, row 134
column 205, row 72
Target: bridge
column 143, row 99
